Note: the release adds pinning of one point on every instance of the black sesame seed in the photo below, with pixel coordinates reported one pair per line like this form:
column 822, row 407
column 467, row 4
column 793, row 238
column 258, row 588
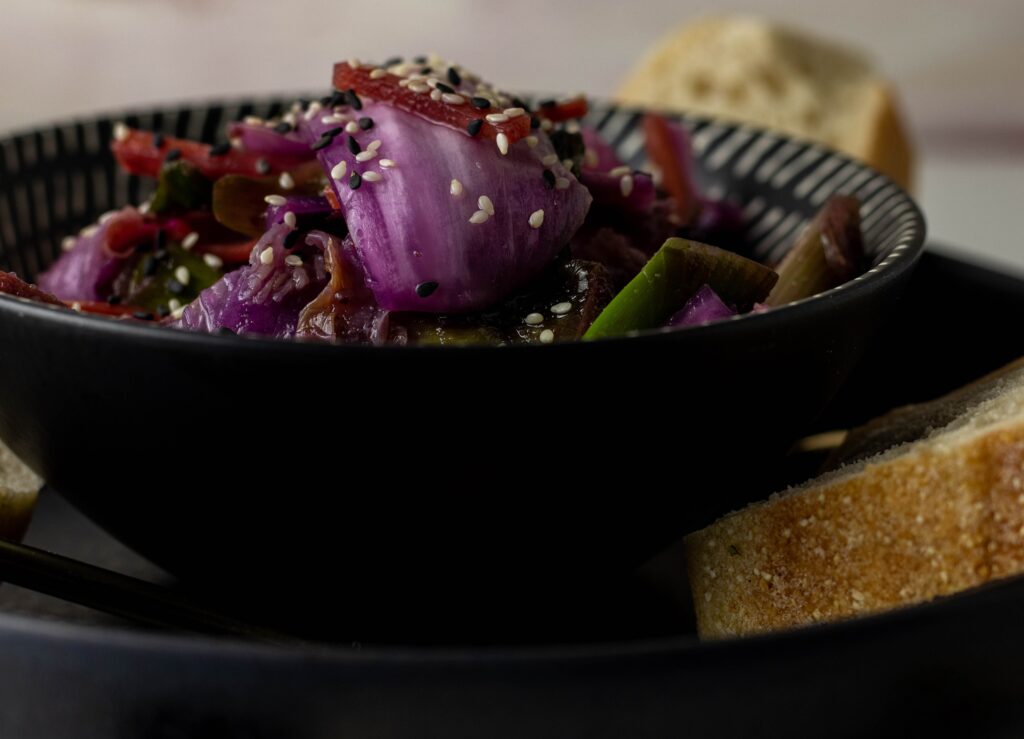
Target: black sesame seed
column 160, row 239
column 142, row 315
column 225, row 331
column 353, row 145
column 426, row 70
column 114, row 300
column 174, row 287
column 325, row 100
column 534, row 122
column 290, row 239
column 262, row 166
column 219, row 150
column 283, row 127
column 549, row 103
column 336, row 98
column 454, row 77
column 354, row 100
column 549, row 179
column 158, row 140
column 420, row 59
column 366, row 123
column 321, row 142
column 355, row 181
column 474, row 126
column 163, row 311
column 393, row 61
column 481, row 103
column 149, row 266
column 518, row 103
column 444, row 88
column 332, row 132
column 173, row 155
column 426, row 289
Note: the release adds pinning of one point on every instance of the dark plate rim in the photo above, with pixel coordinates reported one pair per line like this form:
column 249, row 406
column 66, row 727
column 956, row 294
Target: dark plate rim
column 902, row 258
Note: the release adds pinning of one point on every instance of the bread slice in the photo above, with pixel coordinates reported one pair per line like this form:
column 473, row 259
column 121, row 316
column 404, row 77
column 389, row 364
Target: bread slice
column 749, row 70
column 927, row 517
column 19, row 489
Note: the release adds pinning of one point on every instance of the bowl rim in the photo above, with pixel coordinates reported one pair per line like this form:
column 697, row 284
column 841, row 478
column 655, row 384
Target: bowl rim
column 892, row 266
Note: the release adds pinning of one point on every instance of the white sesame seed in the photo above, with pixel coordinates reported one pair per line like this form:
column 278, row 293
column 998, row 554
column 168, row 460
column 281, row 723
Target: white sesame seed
column 549, row 160
column 534, row 319
column 479, row 217
column 572, row 127
column 178, row 313
column 513, row 112
column 267, row 255
column 121, row 131
column 496, row 117
column 532, row 141
column 274, row 200
column 88, row 231
column 419, row 87
column 372, row 176
column 181, row 275
column 546, row 125
column 68, row 243
column 144, row 207
column 455, row 188
column 560, row 309
column 313, row 111
column 296, row 107
column 547, row 336
column 107, row 216
column 387, row 163
column 189, row 241
column 286, row 181
column 373, row 145
column 378, row 73
column 435, row 95
column 251, row 120
column 212, row 260
column 567, row 163
column 290, row 220
column 330, row 120
column 561, row 183
column 626, row 185
column 352, row 127
column 619, row 171
column 453, row 98
column 174, row 304
column 484, row 203
column 289, row 118
column 293, row 260
column 355, row 63
column 536, row 219
column 502, row 142
column 365, row 156
column 404, row 83
column 432, row 81
column 236, row 142
column 339, row 170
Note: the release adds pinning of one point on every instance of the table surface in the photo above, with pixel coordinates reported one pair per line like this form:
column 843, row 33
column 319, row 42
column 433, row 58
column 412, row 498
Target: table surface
column 955, row 64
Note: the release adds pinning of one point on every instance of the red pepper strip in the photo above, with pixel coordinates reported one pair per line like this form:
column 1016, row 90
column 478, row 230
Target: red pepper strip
column 11, row 284
column 230, row 253
column 137, row 155
column 332, row 198
column 564, row 111
column 99, row 308
column 387, row 90
column 124, row 234
column 669, row 151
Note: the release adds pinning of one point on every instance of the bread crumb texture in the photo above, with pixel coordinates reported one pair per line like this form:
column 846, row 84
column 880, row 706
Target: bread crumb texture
column 934, row 521
column 751, row 71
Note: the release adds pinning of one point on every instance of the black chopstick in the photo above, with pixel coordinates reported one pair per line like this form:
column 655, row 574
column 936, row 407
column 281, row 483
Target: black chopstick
column 120, row 595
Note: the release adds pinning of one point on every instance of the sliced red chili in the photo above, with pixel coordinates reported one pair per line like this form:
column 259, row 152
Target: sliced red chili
column 386, row 89
column 138, row 155
column 11, row 284
column 100, row 308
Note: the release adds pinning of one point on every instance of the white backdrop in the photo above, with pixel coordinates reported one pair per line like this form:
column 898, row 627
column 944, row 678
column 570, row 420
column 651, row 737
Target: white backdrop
column 959, row 66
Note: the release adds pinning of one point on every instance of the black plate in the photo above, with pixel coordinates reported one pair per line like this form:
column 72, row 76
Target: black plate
column 460, row 480
column 951, row 666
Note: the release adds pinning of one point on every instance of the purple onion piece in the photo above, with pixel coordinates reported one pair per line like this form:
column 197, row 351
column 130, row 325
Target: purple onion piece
column 704, row 307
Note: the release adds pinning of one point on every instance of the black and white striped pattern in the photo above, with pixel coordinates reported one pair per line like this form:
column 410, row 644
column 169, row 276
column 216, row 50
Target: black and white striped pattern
column 56, row 180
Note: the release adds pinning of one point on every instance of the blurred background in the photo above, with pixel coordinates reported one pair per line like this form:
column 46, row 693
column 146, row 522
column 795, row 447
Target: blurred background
column 957, row 67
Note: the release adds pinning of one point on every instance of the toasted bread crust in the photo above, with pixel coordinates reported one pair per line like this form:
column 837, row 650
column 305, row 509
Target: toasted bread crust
column 936, row 520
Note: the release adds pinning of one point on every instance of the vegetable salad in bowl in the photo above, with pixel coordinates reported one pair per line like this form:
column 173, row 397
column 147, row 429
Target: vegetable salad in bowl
column 417, row 204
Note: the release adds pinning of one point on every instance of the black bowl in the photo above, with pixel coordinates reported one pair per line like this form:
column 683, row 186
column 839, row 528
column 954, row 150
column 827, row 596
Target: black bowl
column 387, row 473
